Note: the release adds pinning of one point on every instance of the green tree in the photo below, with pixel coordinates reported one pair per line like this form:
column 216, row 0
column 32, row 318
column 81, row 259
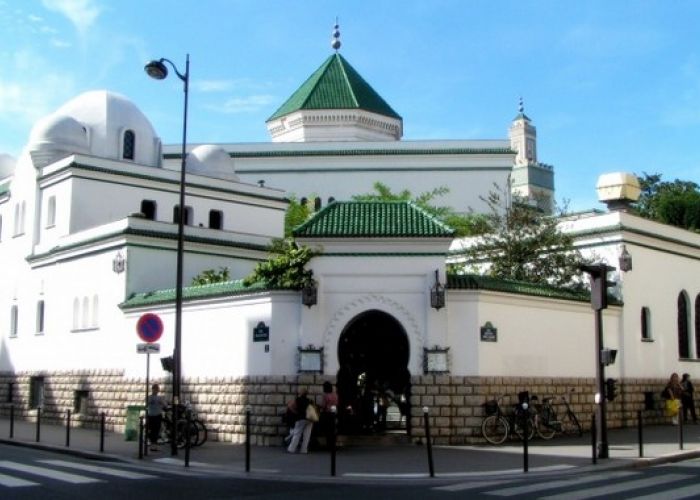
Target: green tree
column 297, row 213
column 524, row 245
column 210, row 276
column 464, row 224
column 676, row 203
column 285, row 268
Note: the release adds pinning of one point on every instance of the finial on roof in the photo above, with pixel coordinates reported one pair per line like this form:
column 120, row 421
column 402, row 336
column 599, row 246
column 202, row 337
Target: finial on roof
column 335, row 42
column 521, row 107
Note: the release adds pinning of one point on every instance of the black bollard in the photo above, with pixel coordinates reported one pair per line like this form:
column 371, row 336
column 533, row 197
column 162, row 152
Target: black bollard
column 67, row 428
column 526, row 435
column 680, row 429
column 38, row 424
column 142, row 441
column 12, row 421
column 334, row 430
column 247, row 439
column 594, row 438
column 188, row 422
column 428, row 441
column 102, row 432
column 640, row 433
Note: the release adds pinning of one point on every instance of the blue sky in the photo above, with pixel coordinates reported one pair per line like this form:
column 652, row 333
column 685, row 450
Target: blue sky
column 610, row 85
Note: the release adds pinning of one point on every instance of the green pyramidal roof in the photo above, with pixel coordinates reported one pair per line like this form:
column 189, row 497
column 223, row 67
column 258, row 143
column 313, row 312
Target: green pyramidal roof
column 373, row 219
column 335, row 85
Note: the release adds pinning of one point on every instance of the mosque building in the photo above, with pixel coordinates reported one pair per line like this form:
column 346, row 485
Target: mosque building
column 88, row 235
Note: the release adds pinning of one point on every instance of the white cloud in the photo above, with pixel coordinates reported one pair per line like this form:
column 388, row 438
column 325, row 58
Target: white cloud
column 82, row 13
column 212, row 85
column 243, row 104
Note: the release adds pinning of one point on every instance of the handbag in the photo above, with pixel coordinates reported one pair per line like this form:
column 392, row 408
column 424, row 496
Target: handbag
column 311, row 413
column 671, row 407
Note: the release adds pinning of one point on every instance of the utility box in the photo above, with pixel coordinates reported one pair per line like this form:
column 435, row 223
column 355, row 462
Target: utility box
column 131, row 428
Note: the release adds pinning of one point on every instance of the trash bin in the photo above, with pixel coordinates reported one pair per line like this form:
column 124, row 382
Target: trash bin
column 131, row 428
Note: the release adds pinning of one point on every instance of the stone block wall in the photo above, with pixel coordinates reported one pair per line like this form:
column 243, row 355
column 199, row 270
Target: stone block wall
column 455, row 404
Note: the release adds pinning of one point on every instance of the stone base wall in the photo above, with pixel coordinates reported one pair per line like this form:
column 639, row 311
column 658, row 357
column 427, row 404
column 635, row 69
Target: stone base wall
column 455, row 404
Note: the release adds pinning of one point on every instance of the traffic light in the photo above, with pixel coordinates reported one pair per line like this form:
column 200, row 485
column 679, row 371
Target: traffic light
column 599, row 284
column 610, row 389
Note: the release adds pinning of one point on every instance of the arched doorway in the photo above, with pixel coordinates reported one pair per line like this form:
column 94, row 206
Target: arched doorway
column 373, row 380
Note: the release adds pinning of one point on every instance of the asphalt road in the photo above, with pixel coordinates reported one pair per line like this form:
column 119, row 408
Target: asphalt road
column 27, row 473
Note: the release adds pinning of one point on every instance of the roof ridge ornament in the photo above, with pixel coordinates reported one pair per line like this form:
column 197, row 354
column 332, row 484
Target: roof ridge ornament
column 335, row 41
column 521, row 106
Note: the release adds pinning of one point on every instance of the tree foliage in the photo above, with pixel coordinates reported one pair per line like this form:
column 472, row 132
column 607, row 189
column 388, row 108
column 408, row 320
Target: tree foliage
column 524, row 245
column 210, row 276
column 676, row 203
column 464, row 224
column 285, row 268
column 297, row 213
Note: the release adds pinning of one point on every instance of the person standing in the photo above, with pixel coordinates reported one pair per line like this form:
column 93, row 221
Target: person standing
column 154, row 415
column 672, row 394
column 303, row 426
column 687, row 398
column 328, row 404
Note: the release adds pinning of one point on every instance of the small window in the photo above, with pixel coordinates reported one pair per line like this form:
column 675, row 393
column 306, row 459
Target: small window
column 14, row 313
column 95, row 312
column 76, row 313
column 216, row 219
column 317, row 204
column 85, row 314
column 148, row 209
column 303, row 202
column 51, row 212
column 188, row 215
column 80, row 402
column 330, row 200
column 40, row 317
column 129, row 145
column 36, row 392
column 646, row 323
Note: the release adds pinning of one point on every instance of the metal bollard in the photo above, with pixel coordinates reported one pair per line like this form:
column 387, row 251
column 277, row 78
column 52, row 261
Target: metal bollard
column 426, row 421
column 67, row 428
column 102, row 433
column 594, row 438
column 334, row 430
column 640, row 433
column 188, row 422
column 38, row 424
column 680, row 429
column 142, row 441
column 247, row 439
column 526, row 436
column 12, row 421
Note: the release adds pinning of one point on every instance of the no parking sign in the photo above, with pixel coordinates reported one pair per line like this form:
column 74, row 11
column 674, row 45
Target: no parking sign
column 149, row 327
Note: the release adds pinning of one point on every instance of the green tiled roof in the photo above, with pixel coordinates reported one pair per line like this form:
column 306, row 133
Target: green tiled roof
column 335, row 85
column 223, row 289
column 479, row 282
column 378, row 219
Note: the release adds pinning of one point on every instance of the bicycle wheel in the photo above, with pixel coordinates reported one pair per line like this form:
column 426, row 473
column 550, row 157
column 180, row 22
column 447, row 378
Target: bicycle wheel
column 518, row 427
column 544, row 421
column 182, row 433
column 201, row 432
column 570, row 425
column 494, row 429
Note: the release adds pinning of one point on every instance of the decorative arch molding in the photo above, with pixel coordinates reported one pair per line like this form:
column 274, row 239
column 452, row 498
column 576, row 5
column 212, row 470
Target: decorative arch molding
column 352, row 309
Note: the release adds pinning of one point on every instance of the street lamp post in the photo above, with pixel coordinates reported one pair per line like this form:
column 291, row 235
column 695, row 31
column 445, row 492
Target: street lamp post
column 157, row 69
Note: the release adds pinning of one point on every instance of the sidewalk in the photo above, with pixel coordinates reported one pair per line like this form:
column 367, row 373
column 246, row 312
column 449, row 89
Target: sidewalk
column 379, row 463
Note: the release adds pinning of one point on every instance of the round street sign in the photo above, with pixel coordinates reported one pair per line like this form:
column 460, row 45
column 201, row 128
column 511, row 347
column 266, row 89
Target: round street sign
column 149, row 327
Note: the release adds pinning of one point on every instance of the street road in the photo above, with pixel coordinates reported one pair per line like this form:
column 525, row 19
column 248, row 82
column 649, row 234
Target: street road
column 27, row 473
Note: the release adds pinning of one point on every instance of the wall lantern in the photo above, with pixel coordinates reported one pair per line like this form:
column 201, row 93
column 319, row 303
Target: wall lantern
column 309, row 294
column 118, row 263
column 437, row 294
column 625, row 260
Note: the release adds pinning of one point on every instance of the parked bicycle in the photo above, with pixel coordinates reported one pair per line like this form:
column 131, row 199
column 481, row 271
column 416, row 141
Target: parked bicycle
column 497, row 426
column 547, row 423
column 197, row 430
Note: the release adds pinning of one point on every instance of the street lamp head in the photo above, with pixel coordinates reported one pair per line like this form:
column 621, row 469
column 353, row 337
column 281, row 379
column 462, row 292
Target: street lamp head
column 156, row 69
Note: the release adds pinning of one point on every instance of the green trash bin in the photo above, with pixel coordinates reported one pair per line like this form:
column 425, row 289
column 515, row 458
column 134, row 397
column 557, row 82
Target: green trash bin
column 131, row 429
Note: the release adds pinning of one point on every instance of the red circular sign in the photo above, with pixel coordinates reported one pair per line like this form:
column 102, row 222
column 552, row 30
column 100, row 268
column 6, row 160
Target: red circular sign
column 149, row 327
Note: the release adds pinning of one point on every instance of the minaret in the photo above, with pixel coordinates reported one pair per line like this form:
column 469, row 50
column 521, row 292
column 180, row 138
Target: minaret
column 531, row 180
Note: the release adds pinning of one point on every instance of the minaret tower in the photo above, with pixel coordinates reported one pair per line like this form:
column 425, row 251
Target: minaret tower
column 531, row 180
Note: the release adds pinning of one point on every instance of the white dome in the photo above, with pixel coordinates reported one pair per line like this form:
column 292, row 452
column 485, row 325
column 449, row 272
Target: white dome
column 58, row 132
column 211, row 161
column 7, row 165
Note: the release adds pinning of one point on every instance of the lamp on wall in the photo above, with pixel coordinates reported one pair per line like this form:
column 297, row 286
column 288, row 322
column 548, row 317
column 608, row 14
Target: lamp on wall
column 309, row 294
column 625, row 260
column 118, row 263
column 437, row 294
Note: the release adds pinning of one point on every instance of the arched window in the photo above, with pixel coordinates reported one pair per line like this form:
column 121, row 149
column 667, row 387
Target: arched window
column 95, row 312
column 683, row 338
column 148, row 209
column 16, row 227
column 697, row 325
column 76, row 313
column 129, row 145
column 646, row 323
column 216, row 219
column 331, row 199
column 14, row 314
column 40, row 316
column 317, row 204
column 51, row 212
column 188, row 215
column 85, row 314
